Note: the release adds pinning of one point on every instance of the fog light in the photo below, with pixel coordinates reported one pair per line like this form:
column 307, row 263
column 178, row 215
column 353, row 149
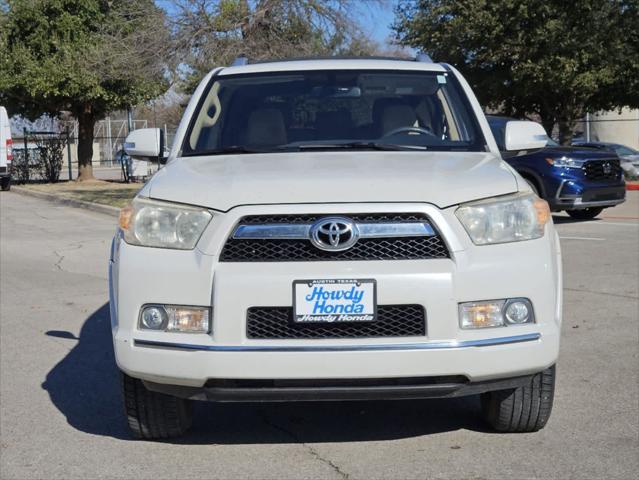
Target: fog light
column 175, row 318
column 481, row 314
column 518, row 311
column 495, row 313
column 153, row 318
column 188, row 319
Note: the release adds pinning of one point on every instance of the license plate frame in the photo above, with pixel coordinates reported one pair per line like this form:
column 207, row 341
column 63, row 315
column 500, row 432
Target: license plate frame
column 368, row 300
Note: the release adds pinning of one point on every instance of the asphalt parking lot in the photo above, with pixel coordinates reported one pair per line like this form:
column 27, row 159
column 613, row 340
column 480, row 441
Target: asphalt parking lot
column 61, row 415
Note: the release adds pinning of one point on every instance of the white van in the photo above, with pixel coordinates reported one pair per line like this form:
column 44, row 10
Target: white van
column 6, row 150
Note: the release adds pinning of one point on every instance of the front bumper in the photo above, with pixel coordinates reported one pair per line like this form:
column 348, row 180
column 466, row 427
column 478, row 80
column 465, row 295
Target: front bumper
column 146, row 275
column 572, row 195
column 337, row 390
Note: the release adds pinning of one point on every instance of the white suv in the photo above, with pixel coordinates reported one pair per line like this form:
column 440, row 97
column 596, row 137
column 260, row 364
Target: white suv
column 337, row 229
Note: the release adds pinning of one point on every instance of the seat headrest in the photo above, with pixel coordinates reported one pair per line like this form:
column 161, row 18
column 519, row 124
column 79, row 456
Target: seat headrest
column 334, row 124
column 266, row 127
column 397, row 116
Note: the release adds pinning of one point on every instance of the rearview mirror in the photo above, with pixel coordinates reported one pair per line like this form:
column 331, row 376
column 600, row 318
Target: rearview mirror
column 145, row 144
column 524, row 135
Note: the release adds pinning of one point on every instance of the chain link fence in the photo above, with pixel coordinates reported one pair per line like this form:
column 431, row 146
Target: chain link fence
column 33, row 160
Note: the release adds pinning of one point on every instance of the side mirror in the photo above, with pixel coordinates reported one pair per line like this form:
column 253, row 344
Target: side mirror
column 145, row 144
column 524, row 135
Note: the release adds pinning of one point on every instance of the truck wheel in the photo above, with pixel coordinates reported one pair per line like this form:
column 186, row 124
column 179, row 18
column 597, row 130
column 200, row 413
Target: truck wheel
column 6, row 184
column 153, row 415
column 585, row 214
column 523, row 409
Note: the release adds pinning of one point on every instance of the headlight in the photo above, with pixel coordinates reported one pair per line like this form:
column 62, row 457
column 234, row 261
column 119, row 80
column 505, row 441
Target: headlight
column 505, row 219
column 565, row 162
column 150, row 223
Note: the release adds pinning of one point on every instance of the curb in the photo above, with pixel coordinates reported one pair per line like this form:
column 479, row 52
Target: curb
column 632, row 186
column 71, row 202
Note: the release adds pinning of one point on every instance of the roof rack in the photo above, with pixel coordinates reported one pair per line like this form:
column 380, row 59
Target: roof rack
column 423, row 57
column 244, row 60
column 239, row 61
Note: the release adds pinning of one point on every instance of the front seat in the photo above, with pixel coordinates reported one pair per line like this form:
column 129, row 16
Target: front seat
column 265, row 127
column 390, row 114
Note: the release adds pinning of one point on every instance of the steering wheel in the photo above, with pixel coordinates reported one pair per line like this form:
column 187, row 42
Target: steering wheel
column 420, row 130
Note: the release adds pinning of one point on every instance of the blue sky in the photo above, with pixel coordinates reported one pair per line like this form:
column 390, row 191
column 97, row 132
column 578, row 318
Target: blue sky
column 381, row 19
column 376, row 18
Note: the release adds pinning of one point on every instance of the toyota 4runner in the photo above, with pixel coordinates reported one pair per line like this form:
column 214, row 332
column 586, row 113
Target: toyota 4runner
column 340, row 229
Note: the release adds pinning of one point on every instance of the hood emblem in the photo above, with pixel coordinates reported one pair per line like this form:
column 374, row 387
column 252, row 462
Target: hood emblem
column 334, row 234
column 607, row 168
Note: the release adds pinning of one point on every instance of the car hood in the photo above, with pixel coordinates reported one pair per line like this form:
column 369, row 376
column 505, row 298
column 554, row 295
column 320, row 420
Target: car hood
column 581, row 153
column 222, row 182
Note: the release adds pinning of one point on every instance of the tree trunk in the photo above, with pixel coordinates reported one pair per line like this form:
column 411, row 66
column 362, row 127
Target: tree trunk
column 565, row 132
column 86, row 124
column 549, row 124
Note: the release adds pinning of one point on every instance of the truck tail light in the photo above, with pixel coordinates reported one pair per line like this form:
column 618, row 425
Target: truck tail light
column 9, row 150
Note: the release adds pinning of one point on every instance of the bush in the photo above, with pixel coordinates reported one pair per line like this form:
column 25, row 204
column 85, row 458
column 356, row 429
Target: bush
column 21, row 171
column 50, row 154
column 44, row 162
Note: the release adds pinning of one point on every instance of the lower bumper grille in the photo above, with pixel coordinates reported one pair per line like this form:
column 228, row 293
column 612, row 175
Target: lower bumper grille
column 392, row 321
column 602, row 194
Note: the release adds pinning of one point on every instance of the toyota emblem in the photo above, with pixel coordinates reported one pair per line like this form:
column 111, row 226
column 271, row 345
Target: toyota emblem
column 334, row 234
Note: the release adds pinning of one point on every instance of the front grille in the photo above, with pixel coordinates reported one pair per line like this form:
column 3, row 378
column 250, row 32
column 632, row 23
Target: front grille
column 609, row 169
column 281, row 250
column 392, row 321
column 3, row 169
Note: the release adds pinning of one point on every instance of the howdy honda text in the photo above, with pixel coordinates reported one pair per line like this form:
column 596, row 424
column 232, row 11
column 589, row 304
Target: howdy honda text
column 334, row 300
column 335, row 230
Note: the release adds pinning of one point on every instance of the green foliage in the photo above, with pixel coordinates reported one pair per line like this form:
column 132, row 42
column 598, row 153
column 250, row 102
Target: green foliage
column 553, row 58
column 48, row 63
column 88, row 57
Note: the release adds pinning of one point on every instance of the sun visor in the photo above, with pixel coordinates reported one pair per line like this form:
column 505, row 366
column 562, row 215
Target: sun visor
column 401, row 84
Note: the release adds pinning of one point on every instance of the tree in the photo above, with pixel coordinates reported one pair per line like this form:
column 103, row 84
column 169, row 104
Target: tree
column 88, row 57
column 552, row 58
column 214, row 32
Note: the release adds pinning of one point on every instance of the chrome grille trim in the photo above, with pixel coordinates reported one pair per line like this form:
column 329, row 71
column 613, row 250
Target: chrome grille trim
column 301, row 231
column 429, row 345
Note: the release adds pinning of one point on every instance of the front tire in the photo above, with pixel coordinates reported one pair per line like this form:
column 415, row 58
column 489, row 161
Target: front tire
column 523, row 409
column 585, row 214
column 153, row 415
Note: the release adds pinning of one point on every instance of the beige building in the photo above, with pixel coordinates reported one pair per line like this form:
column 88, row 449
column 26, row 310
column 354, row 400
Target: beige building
column 615, row 127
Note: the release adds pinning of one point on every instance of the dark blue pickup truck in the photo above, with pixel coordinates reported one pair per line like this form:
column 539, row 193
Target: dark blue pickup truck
column 581, row 181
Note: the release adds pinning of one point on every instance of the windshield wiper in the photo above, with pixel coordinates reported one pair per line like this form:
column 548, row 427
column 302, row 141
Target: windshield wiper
column 359, row 146
column 235, row 149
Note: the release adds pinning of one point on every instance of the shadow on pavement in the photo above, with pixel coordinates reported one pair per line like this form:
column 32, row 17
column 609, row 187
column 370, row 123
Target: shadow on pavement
column 85, row 384
column 85, row 387
column 566, row 219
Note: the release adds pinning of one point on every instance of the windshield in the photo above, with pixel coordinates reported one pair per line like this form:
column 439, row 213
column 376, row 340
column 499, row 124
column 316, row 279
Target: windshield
column 268, row 112
column 624, row 151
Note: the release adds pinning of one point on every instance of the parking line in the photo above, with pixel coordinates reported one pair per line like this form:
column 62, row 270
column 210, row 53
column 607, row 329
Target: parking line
column 596, row 239
column 627, row 224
